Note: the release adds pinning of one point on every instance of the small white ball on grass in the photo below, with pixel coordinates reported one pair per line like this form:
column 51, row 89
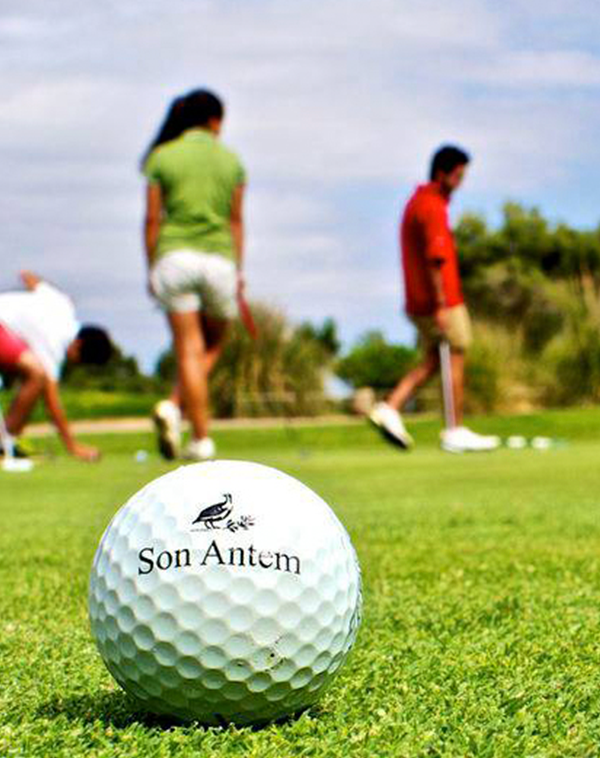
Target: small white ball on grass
column 516, row 442
column 541, row 443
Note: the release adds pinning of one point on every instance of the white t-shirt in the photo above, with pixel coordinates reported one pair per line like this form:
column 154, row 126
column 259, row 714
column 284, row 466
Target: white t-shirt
column 45, row 319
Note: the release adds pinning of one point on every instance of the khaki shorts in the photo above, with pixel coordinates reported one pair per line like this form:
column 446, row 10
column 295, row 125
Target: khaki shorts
column 186, row 280
column 459, row 333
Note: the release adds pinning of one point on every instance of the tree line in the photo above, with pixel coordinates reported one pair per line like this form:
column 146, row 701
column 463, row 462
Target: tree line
column 533, row 289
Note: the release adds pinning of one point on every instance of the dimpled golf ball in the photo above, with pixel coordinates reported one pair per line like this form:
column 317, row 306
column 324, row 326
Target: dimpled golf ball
column 225, row 592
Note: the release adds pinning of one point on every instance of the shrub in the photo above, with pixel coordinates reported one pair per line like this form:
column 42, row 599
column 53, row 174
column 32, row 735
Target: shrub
column 575, row 363
column 373, row 362
column 279, row 374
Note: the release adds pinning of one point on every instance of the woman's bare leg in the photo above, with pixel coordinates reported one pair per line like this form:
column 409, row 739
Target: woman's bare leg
column 190, row 352
column 214, row 332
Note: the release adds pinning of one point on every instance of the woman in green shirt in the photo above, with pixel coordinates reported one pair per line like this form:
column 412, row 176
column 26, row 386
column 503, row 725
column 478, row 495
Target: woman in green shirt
column 194, row 237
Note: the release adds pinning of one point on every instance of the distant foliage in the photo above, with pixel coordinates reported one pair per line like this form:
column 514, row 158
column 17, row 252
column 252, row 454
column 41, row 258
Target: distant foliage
column 120, row 374
column 523, row 253
column 576, row 359
column 539, row 283
column 325, row 335
column 282, row 373
column 373, row 362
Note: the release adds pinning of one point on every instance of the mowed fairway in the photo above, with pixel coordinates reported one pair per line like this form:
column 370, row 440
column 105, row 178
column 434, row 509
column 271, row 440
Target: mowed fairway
column 481, row 629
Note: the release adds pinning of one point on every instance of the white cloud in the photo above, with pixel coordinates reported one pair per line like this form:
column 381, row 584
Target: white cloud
column 541, row 69
column 334, row 106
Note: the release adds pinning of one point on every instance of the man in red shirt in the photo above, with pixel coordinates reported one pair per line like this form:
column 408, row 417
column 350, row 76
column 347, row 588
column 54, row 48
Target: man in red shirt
column 434, row 302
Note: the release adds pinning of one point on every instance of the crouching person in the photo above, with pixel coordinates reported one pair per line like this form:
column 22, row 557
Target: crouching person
column 38, row 332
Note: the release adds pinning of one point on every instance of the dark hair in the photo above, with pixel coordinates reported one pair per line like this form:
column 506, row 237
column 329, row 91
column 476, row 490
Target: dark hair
column 194, row 109
column 95, row 345
column 446, row 159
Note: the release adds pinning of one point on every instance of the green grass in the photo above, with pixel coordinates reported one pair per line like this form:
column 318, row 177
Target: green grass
column 482, row 600
column 93, row 404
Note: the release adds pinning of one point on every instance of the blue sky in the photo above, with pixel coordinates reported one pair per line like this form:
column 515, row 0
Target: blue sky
column 334, row 107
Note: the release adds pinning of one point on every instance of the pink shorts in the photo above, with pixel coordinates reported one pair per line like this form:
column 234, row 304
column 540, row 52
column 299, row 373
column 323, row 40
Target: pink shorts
column 11, row 348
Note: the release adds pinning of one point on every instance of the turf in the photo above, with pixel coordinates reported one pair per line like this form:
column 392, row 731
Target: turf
column 482, row 596
column 93, row 404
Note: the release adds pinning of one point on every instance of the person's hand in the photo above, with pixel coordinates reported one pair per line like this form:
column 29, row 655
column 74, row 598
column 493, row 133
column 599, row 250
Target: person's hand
column 441, row 319
column 244, row 308
column 240, row 284
column 85, row 453
column 29, row 279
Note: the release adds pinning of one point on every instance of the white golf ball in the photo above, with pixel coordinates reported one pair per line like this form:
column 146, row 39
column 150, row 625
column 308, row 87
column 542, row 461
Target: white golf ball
column 541, row 443
column 516, row 442
column 225, row 592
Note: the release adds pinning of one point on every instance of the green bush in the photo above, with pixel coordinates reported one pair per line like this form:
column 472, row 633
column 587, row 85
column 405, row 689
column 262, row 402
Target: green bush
column 120, row 374
column 482, row 378
column 539, row 284
column 373, row 362
column 575, row 362
column 280, row 374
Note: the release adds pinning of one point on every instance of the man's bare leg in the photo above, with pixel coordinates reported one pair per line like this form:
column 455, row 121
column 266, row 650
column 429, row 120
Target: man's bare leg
column 32, row 384
column 413, row 380
column 189, row 345
column 386, row 415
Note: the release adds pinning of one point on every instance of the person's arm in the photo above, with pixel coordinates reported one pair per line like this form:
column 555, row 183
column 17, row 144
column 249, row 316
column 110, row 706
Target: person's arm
column 30, row 280
column 154, row 210
column 437, row 240
column 237, row 231
column 59, row 419
column 441, row 311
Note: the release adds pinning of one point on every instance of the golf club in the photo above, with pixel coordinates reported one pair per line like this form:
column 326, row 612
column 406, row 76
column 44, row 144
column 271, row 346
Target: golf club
column 447, row 387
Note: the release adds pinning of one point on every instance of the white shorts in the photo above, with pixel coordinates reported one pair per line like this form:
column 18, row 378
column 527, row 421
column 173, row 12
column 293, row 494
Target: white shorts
column 186, row 280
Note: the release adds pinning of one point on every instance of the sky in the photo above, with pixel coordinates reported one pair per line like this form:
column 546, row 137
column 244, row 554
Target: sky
column 334, row 107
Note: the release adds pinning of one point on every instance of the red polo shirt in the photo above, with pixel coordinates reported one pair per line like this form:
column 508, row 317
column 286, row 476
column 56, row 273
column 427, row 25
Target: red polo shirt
column 425, row 237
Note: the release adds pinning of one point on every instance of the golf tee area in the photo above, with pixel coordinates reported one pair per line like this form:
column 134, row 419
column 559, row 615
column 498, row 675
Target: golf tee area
column 481, row 594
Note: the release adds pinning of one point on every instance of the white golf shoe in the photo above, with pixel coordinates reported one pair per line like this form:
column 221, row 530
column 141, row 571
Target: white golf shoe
column 167, row 421
column 389, row 422
column 463, row 440
column 200, row 450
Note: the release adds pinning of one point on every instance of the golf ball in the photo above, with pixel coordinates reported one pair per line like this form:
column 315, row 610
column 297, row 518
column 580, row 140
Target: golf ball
column 541, row 443
column 225, row 592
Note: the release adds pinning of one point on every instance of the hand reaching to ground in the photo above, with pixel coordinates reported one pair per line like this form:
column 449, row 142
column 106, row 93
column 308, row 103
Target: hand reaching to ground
column 85, row 453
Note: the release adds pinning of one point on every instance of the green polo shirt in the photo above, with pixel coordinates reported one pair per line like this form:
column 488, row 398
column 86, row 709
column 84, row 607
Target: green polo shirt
column 197, row 176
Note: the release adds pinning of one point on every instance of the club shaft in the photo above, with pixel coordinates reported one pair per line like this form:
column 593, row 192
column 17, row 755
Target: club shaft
column 447, row 385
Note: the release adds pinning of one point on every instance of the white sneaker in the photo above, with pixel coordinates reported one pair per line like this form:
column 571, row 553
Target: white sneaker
column 463, row 440
column 200, row 450
column 390, row 424
column 167, row 420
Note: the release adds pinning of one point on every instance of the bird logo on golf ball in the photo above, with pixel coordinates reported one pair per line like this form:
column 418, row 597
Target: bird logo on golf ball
column 202, row 618
column 214, row 513
column 211, row 517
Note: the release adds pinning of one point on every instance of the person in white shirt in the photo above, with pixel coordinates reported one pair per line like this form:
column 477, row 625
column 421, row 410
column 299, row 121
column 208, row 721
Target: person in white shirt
column 39, row 330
